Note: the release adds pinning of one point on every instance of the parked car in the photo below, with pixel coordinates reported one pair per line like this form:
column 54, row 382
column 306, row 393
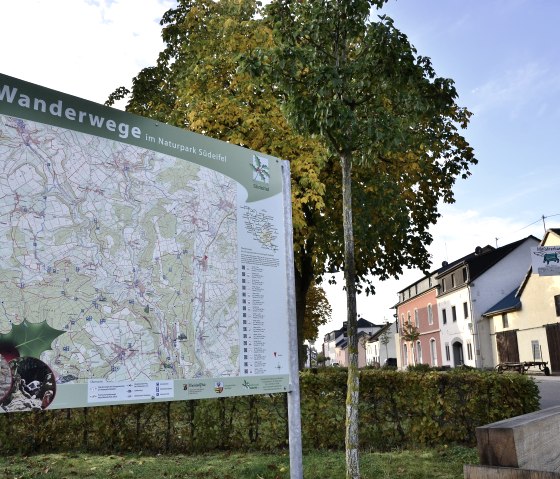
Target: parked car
column 392, row 362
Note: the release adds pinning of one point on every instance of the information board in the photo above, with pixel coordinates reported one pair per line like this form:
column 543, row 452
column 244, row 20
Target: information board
column 138, row 262
column 545, row 260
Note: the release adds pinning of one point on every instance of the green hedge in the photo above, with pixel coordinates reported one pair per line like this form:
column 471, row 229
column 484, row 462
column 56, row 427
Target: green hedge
column 397, row 409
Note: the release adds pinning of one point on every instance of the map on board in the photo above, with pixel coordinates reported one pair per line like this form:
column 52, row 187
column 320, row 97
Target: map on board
column 261, row 227
column 130, row 253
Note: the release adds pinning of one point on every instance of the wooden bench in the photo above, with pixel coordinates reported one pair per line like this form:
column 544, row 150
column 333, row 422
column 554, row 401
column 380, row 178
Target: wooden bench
column 523, row 447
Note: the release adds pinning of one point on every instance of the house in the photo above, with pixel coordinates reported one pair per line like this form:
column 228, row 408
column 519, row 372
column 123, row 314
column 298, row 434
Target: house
column 331, row 341
column 417, row 309
column 381, row 345
column 335, row 343
column 443, row 311
column 467, row 289
column 525, row 324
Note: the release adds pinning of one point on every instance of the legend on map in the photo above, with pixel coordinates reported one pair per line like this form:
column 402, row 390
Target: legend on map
column 100, row 391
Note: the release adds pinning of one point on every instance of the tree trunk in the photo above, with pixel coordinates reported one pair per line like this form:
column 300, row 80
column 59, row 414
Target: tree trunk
column 352, row 458
column 303, row 279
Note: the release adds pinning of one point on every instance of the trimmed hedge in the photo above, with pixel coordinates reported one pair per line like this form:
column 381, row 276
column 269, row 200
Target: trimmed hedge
column 397, row 409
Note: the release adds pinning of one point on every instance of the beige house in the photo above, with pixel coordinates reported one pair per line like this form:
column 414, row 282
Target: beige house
column 525, row 325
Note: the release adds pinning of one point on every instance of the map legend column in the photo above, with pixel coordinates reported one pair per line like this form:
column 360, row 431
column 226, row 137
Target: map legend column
column 253, row 338
column 248, row 366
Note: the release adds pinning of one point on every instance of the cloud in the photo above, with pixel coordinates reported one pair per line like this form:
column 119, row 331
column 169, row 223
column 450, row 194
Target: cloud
column 82, row 47
column 516, row 90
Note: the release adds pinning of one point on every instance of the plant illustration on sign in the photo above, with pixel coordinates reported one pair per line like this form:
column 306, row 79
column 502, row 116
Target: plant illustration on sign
column 28, row 340
column 260, row 169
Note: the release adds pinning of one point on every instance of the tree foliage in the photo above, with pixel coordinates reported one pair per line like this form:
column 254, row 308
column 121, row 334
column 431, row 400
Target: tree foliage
column 318, row 312
column 359, row 86
column 411, row 334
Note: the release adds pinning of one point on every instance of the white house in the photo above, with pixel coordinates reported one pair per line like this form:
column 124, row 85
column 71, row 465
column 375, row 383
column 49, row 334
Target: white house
column 381, row 345
column 467, row 289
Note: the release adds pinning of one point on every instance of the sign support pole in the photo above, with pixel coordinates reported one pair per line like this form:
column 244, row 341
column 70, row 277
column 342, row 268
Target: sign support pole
column 294, row 411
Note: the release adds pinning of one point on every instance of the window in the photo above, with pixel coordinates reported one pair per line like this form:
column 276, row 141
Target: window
column 454, row 313
column 535, row 346
column 453, row 280
column 557, row 304
column 405, row 355
column 505, row 321
column 419, row 352
column 469, row 351
column 443, row 285
column 416, row 319
column 466, row 310
column 433, row 352
column 444, row 316
column 408, row 317
column 447, row 353
column 430, row 282
column 464, row 275
column 430, row 314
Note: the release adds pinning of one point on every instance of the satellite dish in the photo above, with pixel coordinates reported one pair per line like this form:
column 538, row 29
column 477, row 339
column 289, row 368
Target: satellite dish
column 444, row 263
column 478, row 250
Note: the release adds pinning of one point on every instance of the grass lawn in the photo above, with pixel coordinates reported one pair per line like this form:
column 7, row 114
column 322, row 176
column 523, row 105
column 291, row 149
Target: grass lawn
column 439, row 463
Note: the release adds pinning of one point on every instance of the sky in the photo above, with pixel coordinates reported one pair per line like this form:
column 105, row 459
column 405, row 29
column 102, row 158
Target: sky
column 503, row 56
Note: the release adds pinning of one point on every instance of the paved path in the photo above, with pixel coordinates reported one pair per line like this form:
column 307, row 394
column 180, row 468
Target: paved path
column 549, row 387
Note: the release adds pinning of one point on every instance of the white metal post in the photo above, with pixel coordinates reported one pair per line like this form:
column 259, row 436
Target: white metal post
column 294, row 411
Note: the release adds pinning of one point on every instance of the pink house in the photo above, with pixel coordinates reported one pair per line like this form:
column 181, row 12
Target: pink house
column 417, row 307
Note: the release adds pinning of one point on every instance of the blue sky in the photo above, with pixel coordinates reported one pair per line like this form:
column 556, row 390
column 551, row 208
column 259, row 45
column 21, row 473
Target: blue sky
column 502, row 54
column 504, row 58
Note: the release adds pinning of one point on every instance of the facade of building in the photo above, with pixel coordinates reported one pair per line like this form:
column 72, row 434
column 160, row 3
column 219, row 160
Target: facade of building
column 381, row 345
column 417, row 309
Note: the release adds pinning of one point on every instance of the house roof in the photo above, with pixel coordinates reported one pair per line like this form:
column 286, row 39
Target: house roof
column 446, row 266
column 482, row 263
column 375, row 336
column 364, row 323
column 361, row 323
column 463, row 260
column 484, row 258
column 343, row 342
column 511, row 302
